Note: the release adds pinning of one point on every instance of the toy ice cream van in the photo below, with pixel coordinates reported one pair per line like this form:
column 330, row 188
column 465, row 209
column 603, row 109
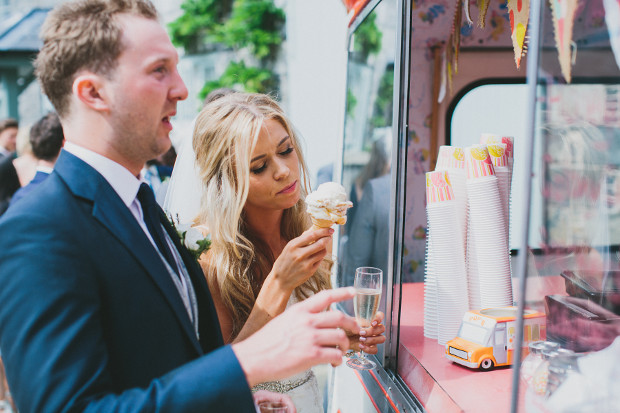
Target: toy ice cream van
column 487, row 337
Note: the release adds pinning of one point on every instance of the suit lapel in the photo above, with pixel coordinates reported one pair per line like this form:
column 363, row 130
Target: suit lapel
column 210, row 337
column 112, row 213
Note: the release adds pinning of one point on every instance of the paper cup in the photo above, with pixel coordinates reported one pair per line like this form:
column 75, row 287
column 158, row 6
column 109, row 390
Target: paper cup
column 438, row 187
column 450, row 157
column 478, row 162
column 497, row 152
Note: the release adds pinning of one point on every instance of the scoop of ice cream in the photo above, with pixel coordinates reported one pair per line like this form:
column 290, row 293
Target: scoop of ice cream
column 328, row 204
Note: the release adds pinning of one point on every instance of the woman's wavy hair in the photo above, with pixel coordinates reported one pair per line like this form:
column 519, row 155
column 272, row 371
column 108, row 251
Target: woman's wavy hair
column 225, row 135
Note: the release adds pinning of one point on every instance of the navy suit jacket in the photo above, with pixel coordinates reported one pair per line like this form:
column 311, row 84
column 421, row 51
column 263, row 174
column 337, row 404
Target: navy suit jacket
column 89, row 317
column 39, row 177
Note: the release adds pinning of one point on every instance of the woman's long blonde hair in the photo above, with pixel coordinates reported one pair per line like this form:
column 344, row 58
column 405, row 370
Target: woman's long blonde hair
column 225, row 135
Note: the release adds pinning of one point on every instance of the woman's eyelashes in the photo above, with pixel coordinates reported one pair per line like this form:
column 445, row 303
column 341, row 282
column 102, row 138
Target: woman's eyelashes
column 287, row 151
column 260, row 169
column 257, row 170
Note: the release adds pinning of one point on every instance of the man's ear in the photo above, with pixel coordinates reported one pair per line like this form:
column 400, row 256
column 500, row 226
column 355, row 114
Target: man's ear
column 88, row 87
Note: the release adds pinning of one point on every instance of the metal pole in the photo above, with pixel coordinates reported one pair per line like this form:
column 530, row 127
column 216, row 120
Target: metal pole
column 532, row 84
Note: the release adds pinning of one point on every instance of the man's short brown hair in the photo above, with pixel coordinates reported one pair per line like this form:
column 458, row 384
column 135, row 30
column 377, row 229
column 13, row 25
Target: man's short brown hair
column 82, row 34
column 46, row 137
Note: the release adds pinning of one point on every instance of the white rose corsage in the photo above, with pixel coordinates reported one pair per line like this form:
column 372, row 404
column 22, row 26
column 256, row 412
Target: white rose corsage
column 195, row 238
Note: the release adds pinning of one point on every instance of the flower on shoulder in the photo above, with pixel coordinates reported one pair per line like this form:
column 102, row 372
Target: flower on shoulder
column 196, row 238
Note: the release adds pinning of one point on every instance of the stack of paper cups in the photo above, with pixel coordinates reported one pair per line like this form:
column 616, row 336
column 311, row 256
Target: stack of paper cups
column 473, row 280
column 452, row 160
column 497, row 152
column 487, row 138
column 430, row 292
column 488, row 230
column 447, row 256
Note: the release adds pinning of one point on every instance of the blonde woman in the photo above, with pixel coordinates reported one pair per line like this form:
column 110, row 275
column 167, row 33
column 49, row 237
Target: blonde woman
column 263, row 257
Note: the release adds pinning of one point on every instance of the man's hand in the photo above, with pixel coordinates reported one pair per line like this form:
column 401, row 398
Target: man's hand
column 303, row 336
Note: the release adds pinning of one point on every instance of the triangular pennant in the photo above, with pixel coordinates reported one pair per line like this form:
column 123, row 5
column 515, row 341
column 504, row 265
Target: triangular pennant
column 448, row 62
column 519, row 12
column 563, row 13
column 483, row 6
column 467, row 12
column 444, row 80
column 455, row 38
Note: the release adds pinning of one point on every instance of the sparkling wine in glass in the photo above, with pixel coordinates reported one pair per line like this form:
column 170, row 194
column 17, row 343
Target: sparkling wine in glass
column 367, row 285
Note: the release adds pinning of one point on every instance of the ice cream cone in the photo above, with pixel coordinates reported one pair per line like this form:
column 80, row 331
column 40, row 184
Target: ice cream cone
column 321, row 223
column 328, row 205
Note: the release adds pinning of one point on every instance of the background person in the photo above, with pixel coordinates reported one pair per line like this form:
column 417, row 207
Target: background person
column 9, row 180
column 25, row 163
column 8, row 137
column 157, row 173
column 369, row 237
column 46, row 140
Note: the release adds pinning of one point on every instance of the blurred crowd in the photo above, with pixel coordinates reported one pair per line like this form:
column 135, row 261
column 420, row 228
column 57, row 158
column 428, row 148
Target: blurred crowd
column 28, row 155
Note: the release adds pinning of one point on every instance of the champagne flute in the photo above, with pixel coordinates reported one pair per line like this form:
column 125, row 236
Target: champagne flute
column 367, row 285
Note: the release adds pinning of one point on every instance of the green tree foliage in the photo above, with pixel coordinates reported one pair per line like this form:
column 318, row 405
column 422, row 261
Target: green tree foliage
column 238, row 75
column 367, row 39
column 351, row 102
column 199, row 25
column 382, row 115
column 254, row 25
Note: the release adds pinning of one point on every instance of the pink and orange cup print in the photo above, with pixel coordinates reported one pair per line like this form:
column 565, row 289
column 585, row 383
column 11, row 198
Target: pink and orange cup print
column 450, row 157
column 478, row 162
column 497, row 152
column 487, row 138
column 438, row 187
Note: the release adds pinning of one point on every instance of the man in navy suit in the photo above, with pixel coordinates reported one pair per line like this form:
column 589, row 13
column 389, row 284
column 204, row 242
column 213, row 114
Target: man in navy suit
column 46, row 140
column 9, row 181
column 8, row 137
column 101, row 308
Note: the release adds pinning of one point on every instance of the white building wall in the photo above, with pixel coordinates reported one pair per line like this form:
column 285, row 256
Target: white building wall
column 316, row 53
column 312, row 70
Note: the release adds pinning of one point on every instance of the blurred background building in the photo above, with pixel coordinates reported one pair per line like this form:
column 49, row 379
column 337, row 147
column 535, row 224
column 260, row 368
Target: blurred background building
column 303, row 64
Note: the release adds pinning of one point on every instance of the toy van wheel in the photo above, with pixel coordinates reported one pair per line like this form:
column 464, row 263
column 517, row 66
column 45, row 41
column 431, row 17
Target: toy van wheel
column 486, row 365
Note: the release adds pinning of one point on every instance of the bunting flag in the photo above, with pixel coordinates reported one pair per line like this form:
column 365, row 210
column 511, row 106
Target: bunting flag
column 519, row 12
column 483, row 6
column 467, row 12
column 456, row 35
column 454, row 44
column 612, row 18
column 444, row 77
column 563, row 14
column 449, row 58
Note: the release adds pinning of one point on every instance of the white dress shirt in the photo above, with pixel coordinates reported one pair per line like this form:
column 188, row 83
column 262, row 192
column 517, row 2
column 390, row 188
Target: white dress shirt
column 4, row 152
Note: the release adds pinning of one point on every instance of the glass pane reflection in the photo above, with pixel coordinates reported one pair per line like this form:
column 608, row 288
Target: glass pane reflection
column 366, row 172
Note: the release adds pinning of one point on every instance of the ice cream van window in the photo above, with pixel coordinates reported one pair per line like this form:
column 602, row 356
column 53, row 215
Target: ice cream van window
column 474, row 333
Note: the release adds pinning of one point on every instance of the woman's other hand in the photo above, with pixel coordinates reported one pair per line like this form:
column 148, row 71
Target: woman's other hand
column 368, row 338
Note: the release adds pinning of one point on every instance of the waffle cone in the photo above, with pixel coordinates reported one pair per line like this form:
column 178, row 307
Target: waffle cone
column 321, row 223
